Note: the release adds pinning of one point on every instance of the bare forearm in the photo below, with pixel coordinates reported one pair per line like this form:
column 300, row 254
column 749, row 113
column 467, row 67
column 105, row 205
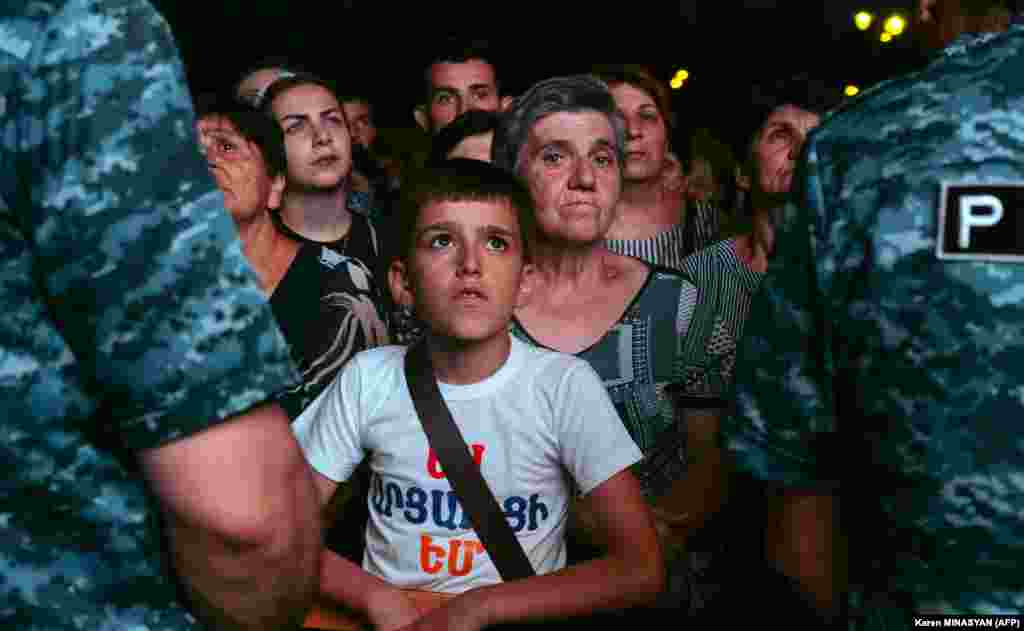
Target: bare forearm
column 804, row 541
column 245, row 586
column 700, row 493
column 604, row 584
column 242, row 517
column 694, row 497
column 345, row 582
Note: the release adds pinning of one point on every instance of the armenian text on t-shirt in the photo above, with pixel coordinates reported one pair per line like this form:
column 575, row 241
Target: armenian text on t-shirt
column 442, row 509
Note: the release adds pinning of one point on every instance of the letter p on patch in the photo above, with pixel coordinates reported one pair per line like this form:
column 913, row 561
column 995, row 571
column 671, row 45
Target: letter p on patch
column 982, row 211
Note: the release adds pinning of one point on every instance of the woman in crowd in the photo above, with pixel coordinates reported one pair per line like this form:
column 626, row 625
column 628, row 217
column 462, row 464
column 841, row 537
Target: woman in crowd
column 319, row 204
column 652, row 223
column 319, row 209
column 327, row 309
column 627, row 318
column 639, row 326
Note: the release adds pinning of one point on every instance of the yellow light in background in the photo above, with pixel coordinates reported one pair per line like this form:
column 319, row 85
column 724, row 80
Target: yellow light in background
column 895, row 24
column 863, row 20
column 886, row 37
column 851, row 90
column 679, row 79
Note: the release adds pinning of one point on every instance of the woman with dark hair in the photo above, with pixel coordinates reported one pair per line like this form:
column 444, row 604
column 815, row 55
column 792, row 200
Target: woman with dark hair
column 338, row 242
column 311, row 299
column 651, row 223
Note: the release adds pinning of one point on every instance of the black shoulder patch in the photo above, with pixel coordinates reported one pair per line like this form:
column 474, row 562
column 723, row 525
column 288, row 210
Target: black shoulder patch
column 981, row 222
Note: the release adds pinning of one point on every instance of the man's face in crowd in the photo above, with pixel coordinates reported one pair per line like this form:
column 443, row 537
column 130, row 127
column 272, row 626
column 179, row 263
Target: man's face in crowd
column 360, row 123
column 456, row 87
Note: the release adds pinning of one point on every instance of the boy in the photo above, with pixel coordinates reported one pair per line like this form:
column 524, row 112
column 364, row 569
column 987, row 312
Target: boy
column 529, row 416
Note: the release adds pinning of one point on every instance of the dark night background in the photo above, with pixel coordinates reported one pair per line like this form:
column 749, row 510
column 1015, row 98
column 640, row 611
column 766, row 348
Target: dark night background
column 378, row 47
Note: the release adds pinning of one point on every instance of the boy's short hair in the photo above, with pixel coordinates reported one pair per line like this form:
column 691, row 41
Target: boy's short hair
column 253, row 125
column 458, row 180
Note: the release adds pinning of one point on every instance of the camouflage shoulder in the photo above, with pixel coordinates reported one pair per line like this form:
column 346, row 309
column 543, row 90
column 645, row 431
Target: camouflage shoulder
column 942, row 64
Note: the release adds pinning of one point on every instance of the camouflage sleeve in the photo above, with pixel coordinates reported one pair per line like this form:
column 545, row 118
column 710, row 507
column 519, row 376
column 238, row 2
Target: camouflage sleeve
column 784, row 382
column 136, row 261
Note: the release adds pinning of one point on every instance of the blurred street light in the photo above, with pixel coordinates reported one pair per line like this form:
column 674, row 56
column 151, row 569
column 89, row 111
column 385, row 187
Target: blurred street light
column 863, row 20
column 679, row 79
column 851, row 90
column 895, row 24
column 885, row 37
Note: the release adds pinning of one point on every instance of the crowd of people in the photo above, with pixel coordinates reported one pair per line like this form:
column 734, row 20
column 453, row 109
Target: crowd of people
column 789, row 393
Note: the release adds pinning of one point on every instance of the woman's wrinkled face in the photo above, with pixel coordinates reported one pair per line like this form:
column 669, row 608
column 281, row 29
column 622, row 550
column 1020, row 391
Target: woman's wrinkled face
column 238, row 167
column 571, row 167
column 778, row 145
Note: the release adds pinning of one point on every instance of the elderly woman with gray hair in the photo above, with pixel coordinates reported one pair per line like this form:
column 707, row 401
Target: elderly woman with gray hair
column 627, row 318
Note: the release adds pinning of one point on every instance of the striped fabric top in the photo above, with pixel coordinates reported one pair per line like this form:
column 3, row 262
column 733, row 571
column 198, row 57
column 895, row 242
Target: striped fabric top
column 720, row 301
column 669, row 248
column 665, row 248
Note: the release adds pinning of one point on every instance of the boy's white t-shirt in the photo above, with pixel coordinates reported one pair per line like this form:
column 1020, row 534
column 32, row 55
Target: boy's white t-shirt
column 540, row 417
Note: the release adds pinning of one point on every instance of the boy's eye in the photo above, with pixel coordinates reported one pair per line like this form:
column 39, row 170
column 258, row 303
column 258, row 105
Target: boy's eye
column 498, row 244
column 294, row 127
column 604, row 160
column 440, row 241
column 443, row 98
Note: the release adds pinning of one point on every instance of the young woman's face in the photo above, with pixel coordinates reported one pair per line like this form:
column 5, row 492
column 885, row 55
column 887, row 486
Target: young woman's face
column 316, row 137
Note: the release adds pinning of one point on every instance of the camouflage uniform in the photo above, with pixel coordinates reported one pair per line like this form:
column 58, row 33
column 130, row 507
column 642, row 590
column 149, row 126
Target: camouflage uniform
column 130, row 317
column 875, row 364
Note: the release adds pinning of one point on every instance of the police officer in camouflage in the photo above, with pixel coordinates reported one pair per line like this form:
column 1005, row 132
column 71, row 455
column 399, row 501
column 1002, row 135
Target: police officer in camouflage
column 894, row 328
column 136, row 350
